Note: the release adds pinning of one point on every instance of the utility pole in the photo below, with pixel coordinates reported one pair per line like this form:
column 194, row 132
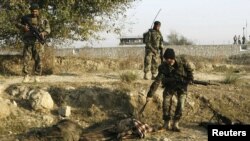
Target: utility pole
column 246, row 30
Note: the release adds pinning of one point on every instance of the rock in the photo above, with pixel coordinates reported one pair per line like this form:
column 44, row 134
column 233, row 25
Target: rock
column 24, row 92
column 64, row 111
column 70, row 88
column 14, row 103
column 5, row 109
column 164, row 139
column 14, row 92
column 41, row 100
column 48, row 119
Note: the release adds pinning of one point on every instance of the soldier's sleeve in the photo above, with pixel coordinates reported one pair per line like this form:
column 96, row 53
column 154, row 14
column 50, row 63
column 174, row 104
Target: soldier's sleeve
column 161, row 42
column 47, row 26
column 155, row 84
column 189, row 71
column 148, row 39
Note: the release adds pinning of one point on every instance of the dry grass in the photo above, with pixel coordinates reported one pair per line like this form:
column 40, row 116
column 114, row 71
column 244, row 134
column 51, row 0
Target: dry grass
column 48, row 60
column 231, row 78
column 128, row 76
column 242, row 59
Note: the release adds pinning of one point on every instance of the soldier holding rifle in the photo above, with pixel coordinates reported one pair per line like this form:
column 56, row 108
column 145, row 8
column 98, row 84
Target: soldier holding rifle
column 34, row 29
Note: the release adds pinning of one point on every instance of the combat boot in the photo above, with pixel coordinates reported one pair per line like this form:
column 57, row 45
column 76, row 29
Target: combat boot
column 176, row 127
column 167, row 125
column 26, row 79
column 145, row 76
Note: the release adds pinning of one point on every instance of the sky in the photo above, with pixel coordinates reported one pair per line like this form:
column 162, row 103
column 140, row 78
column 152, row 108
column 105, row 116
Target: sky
column 201, row 21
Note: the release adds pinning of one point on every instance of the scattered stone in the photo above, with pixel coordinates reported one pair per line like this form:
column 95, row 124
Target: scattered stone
column 48, row 119
column 164, row 139
column 70, row 88
column 64, row 111
column 14, row 103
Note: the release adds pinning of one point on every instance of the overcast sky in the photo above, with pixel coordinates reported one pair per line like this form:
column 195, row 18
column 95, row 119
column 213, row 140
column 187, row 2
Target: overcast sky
column 201, row 21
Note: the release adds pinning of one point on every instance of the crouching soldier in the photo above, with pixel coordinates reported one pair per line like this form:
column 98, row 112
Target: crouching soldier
column 175, row 75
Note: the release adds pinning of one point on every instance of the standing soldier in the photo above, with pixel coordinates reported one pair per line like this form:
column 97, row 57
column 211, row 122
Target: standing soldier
column 243, row 40
column 175, row 75
column 235, row 39
column 153, row 40
column 239, row 40
column 32, row 47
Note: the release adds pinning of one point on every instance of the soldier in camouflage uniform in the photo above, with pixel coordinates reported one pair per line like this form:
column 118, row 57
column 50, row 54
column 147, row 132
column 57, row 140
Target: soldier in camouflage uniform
column 32, row 47
column 175, row 75
column 153, row 42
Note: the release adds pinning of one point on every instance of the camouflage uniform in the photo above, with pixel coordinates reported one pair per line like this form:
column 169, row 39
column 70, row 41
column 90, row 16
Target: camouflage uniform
column 175, row 81
column 32, row 47
column 153, row 45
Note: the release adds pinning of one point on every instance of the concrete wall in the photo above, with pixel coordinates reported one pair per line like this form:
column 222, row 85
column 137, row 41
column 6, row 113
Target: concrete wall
column 208, row 51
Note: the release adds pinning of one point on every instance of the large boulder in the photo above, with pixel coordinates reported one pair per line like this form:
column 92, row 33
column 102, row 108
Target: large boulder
column 41, row 100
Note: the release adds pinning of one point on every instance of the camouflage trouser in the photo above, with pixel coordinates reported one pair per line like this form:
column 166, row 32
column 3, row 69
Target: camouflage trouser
column 33, row 51
column 167, row 105
column 151, row 60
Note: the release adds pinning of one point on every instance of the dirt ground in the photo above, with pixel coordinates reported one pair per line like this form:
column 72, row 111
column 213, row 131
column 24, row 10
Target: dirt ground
column 98, row 98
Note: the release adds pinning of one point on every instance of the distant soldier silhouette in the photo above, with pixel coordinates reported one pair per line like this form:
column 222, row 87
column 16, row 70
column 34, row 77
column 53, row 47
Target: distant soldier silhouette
column 235, row 39
column 243, row 40
column 239, row 41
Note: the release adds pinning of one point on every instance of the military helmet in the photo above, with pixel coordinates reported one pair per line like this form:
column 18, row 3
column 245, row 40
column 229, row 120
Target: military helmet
column 34, row 6
column 157, row 23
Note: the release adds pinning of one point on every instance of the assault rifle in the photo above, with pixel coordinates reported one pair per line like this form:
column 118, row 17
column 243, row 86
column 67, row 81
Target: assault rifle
column 220, row 118
column 34, row 31
column 204, row 83
column 198, row 82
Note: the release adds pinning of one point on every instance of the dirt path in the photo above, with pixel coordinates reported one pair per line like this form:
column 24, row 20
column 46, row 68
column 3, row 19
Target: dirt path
column 98, row 77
